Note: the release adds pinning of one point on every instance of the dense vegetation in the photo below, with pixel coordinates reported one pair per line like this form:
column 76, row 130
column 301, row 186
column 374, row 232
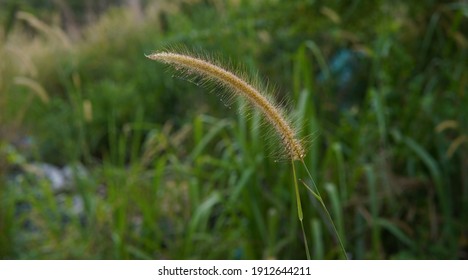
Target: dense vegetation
column 159, row 168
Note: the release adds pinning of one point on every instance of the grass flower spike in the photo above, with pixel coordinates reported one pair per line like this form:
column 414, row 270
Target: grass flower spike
column 295, row 151
column 227, row 79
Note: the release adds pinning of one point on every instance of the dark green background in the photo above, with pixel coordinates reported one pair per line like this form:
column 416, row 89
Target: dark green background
column 379, row 89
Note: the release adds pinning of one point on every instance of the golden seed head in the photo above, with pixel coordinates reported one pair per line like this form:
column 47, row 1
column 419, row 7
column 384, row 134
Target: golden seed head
column 226, row 78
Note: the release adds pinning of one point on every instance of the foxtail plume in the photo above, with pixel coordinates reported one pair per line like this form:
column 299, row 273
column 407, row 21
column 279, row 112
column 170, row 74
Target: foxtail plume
column 210, row 71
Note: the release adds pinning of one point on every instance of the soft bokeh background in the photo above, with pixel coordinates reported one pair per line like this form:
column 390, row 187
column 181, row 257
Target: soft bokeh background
column 105, row 154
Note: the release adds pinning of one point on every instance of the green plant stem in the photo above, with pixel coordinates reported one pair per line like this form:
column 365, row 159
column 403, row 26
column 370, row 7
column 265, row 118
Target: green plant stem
column 299, row 210
column 318, row 196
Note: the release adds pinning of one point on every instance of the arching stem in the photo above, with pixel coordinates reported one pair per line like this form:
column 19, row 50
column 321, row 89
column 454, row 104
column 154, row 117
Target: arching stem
column 299, row 210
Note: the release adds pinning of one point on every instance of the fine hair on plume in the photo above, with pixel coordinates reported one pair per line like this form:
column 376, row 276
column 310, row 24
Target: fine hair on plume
column 258, row 99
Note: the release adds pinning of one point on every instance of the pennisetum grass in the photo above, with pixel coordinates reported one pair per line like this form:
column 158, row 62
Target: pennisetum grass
column 272, row 112
column 293, row 146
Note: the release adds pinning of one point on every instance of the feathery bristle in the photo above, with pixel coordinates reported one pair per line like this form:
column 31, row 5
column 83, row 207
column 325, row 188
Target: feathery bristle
column 226, row 78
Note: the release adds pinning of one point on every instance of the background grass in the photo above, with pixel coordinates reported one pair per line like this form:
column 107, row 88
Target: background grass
column 163, row 170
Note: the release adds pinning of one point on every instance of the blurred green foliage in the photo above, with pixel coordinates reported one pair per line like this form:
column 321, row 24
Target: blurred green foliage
column 378, row 87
